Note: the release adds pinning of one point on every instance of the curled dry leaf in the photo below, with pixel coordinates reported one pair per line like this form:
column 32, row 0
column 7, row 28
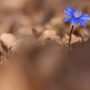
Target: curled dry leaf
column 8, row 39
column 48, row 34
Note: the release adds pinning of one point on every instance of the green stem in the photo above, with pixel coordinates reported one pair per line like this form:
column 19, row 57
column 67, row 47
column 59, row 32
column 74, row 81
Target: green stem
column 70, row 38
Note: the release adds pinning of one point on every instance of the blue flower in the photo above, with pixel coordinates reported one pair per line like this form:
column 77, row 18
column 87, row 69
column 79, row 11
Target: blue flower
column 76, row 17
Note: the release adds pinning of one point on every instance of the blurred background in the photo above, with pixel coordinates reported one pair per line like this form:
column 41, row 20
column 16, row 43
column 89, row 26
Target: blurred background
column 35, row 32
column 16, row 15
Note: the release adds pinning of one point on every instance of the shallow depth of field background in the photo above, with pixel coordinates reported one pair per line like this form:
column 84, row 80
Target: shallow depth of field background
column 33, row 46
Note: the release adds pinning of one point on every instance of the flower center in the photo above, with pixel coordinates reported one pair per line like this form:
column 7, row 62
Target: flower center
column 77, row 14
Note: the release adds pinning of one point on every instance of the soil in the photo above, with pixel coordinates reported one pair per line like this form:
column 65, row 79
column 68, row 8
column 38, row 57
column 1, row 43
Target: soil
column 34, row 50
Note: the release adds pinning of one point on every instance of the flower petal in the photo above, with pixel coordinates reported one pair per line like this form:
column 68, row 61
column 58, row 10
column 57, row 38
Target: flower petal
column 70, row 10
column 84, row 17
column 74, row 21
column 83, row 23
column 67, row 19
column 68, row 13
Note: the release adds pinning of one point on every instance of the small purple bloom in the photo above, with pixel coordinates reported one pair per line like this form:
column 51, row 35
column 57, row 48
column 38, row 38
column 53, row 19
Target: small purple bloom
column 76, row 17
